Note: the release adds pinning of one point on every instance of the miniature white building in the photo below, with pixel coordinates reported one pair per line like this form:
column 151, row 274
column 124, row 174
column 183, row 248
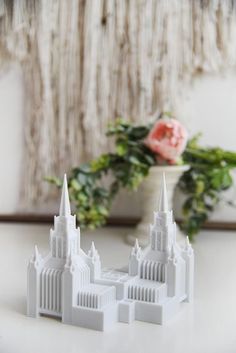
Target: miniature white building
column 69, row 284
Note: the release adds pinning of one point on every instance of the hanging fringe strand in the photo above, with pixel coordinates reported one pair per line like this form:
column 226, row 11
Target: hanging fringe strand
column 87, row 62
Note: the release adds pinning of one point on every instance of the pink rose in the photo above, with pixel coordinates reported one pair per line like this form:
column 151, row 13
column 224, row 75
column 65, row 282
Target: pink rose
column 168, row 139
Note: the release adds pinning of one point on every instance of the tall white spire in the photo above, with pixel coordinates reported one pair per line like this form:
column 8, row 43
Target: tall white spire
column 163, row 201
column 65, row 201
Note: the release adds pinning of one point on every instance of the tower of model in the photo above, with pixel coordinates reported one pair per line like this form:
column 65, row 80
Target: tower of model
column 70, row 284
column 164, row 261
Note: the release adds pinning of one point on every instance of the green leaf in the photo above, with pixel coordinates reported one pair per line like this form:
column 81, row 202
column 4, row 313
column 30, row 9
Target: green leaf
column 150, row 159
column 200, row 186
column 101, row 192
column 134, row 160
column 75, row 185
column 121, row 148
column 221, row 179
column 139, row 132
column 85, row 168
column 54, row 180
column 103, row 211
column 82, row 178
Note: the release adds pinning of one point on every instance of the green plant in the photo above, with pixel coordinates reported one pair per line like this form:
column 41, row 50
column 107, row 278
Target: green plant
column 94, row 185
column 203, row 183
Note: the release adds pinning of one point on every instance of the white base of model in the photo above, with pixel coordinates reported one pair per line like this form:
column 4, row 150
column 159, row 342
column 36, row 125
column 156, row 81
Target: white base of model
column 71, row 285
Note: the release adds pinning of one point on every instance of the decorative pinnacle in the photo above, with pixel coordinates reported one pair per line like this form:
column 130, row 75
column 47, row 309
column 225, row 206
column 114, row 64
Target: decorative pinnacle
column 65, row 201
column 136, row 250
column 36, row 253
column 163, row 201
column 136, row 246
column 187, row 243
column 188, row 246
column 93, row 251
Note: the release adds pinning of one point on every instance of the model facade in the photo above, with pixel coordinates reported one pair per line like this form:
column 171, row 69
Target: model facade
column 70, row 284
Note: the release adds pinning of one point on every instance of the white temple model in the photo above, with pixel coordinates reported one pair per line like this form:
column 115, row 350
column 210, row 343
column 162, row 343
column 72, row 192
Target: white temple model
column 70, row 284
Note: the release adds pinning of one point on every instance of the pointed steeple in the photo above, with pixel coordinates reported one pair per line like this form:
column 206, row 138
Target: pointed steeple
column 65, row 201
column 36, row 253
column 136, row 250
column 187, row 243
column 36, row 258
column 163, row 201
column 188, row 247
column 93, row 251
column 136, row 245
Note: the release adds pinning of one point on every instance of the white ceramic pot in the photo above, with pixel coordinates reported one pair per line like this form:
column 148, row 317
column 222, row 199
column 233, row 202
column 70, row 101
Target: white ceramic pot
column 149, row 198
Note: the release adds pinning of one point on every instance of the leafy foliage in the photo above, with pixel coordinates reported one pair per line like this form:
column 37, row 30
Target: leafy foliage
column 208, row 176
column 125, row 168
column 93, row 186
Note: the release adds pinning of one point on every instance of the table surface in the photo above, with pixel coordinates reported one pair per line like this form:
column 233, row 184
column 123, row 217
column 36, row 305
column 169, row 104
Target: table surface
column 207, row 325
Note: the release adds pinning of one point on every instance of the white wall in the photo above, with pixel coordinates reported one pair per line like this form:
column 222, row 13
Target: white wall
column 209, row 107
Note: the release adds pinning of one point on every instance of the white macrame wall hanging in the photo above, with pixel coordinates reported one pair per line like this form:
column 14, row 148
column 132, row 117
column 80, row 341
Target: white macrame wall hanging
column 86, row 62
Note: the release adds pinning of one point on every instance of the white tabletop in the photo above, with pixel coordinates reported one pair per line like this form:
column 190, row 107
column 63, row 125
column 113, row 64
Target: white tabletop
column 206, row 326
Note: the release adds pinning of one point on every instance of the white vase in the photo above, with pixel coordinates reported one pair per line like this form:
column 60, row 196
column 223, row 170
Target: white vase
column 150, row 189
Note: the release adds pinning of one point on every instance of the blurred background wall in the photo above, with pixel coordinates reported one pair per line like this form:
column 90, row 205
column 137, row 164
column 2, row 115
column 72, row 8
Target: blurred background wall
column 209, row 106
column 70, row 67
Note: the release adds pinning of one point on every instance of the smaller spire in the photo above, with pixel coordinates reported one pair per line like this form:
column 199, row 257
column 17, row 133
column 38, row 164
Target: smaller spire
column 93, row 251
column 36, row 257
column 187, row 243
column 136, row 250
column 163, row 201
column 188, row 246
column 65, row 201
column 36, row 253
column 136, row 245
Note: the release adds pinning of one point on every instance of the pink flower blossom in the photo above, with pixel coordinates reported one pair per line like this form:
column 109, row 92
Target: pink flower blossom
column 168, row 139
